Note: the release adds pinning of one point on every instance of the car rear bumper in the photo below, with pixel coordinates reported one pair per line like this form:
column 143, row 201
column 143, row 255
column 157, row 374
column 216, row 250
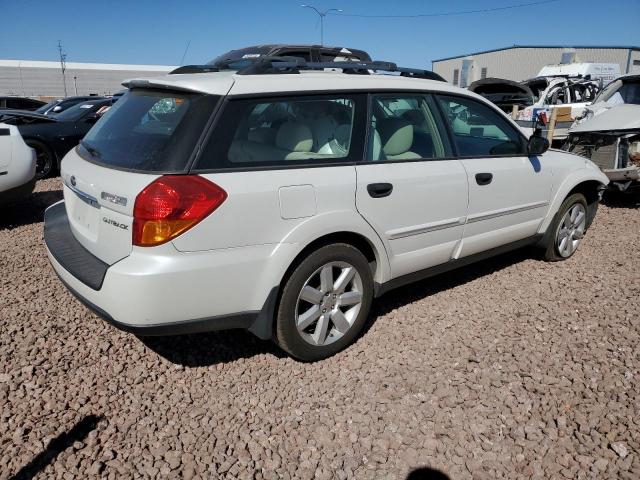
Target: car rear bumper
column 17, row 193
column 167, row 293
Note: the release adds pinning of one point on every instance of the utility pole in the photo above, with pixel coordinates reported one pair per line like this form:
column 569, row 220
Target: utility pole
column 63, row 66
column 75, row 84
column 321, row 14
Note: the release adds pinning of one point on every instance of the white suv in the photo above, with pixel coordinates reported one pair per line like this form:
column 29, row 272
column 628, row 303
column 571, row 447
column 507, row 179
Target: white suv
column 285, row 202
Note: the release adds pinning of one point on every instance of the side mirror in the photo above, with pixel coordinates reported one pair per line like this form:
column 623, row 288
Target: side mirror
column 57, row 109
column 537, row 145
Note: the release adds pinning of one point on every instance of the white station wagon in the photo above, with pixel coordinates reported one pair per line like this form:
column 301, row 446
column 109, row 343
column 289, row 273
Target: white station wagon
column 285, row 197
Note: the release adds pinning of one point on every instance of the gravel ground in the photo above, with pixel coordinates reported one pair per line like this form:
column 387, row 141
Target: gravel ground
column 511, row 368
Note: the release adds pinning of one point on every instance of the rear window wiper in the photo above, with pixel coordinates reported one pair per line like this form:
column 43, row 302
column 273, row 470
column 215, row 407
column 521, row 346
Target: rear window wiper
column 93, row 151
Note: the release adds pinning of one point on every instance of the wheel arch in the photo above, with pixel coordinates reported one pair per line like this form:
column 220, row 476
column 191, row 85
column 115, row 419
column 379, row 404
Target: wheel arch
column 589, row 183
column 592, row 191
column 264, row 326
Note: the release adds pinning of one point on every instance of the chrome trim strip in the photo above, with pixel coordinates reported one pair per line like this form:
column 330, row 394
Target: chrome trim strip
column 83, row 196
column 505, row 211
column 425, row 228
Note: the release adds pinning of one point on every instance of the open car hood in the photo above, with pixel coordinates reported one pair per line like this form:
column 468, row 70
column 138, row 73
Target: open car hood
column 503, row 93
column 611, row 119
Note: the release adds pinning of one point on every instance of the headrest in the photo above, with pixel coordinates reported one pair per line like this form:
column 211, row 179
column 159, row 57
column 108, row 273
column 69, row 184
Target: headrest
column 396, row 135
column 294, row 137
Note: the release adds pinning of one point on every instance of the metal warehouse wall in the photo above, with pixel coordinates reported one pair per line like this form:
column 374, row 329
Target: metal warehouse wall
column 47, row 82
column 522, row 63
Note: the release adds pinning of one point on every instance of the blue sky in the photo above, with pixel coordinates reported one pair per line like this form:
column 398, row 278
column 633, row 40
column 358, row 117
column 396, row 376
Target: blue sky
column 157, row 31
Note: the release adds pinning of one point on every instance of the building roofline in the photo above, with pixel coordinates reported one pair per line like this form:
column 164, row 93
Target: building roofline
column 613, row 47
column 85, row 66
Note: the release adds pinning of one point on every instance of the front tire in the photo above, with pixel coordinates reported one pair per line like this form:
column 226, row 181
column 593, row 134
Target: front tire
column 567, row 229
column 325, row 302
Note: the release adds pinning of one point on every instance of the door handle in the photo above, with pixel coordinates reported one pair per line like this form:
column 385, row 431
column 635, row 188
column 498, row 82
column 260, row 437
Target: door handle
column 379, row 190
column 484, row 178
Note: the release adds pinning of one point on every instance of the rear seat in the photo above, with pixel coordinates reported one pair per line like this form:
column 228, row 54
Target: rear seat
column 292, row 141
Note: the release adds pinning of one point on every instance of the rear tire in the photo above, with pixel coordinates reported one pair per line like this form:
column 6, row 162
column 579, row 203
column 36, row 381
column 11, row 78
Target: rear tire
column 45, row 159
column 567, row 229
column 325, row 302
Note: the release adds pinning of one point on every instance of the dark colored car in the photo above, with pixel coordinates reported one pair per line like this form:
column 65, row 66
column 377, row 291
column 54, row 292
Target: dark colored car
column 52, row 136
column 62, row 104
column 243, row 57
column 20, row 103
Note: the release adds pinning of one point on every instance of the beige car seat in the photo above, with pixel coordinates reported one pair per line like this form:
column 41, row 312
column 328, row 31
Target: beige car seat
column 396, row 138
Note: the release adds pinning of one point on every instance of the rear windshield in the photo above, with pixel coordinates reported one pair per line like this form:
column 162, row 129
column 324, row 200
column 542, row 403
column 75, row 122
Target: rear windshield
column 149, row 131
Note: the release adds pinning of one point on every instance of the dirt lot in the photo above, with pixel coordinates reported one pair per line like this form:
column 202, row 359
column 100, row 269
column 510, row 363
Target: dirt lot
column 511, row 368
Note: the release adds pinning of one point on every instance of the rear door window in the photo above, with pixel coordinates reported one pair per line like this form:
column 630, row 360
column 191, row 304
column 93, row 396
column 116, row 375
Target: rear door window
column 404, row 127
column 478, row 130
column 284, row 132
column 149, row 131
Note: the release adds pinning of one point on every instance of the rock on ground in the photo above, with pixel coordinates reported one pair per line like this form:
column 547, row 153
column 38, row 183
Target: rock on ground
column 510, row 368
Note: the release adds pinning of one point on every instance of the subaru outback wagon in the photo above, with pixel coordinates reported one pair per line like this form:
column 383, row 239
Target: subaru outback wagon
column 284, row 203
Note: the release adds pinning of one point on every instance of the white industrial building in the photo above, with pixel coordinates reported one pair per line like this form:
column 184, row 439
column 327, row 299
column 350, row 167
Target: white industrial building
column 44, row 79
column 521, row 62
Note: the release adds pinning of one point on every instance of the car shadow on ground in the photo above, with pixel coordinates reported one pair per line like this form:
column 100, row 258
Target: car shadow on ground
column 628, row 200
column 419, row 290
column 206, row 349
column 56, row 446
column 28, row 211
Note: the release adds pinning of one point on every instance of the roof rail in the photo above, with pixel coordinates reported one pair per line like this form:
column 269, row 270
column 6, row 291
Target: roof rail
column 295, row 65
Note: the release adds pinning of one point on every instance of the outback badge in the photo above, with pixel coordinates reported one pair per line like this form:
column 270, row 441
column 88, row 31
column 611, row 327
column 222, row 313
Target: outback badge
column 117, row 199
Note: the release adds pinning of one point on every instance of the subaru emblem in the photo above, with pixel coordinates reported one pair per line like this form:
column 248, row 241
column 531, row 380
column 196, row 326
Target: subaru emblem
column 73, row 180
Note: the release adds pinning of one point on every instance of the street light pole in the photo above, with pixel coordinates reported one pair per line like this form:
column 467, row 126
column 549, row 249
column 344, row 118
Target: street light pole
column 321, row 14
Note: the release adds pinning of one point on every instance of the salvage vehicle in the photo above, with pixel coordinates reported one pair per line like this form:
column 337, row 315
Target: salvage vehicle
column 62, row 104
column 52, row 108
column 284, row 198
column 241, row 58
column 20, row 103
column 17, row 166
column 569, row 96
column 504, row 93
column 52, row 136
column 609, row 132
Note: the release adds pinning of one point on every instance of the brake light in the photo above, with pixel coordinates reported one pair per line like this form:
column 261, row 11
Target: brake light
column 171, row 205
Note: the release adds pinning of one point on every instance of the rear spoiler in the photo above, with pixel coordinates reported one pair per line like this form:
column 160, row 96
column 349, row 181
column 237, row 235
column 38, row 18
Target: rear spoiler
column 143, row 83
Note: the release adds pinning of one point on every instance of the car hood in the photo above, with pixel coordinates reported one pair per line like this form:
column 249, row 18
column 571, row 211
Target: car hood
column 29, row 117
column 503, row 92
column 609, row 119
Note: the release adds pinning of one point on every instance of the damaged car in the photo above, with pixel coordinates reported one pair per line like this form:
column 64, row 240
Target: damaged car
column 52, row 136
column 504, row 93
column 568, row 96
column 608, row 132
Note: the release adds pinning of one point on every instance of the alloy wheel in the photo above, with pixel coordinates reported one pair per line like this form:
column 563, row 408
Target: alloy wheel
column 329, row 303
column 571, row 230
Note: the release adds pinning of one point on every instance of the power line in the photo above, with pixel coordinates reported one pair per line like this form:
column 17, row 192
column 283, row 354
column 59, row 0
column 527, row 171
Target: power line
column 447, row 14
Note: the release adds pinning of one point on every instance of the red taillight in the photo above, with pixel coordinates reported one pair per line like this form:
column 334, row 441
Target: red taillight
column 171, row 205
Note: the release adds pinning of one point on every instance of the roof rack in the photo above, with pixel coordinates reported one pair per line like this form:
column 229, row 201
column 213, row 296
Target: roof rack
column 294, row 65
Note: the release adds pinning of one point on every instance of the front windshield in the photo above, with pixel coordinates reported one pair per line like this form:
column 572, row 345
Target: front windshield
column 46, row 107
column 621, row 91
column 76, row 112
